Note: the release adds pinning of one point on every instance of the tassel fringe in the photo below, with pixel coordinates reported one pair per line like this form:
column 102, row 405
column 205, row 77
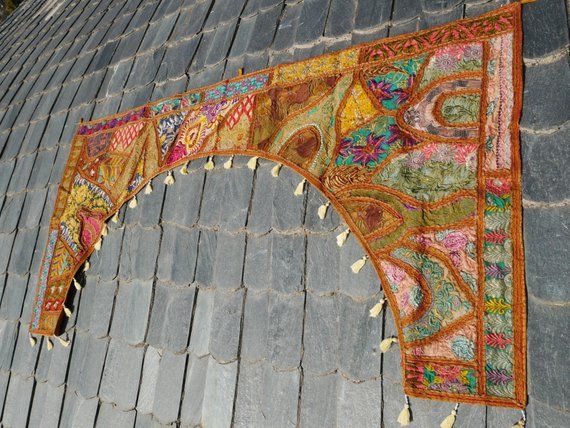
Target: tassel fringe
column 229, row 163
column 169, row 179
column 404, row 417
column 65, row 343
column 322, row 212
column 104, row 230
column 115, row 218
column 387, row 344
column 342, row 237
column 148, row 188
column 275, row 170
column 184, row 169
column 252, row 163
column 133, row 203
column 86, row 266
column 49, row 344
column 97, row 245
column 300, row 187
column 77, row 285
column 32, row 339
column 359, row 264
column 449, row 421
column 208, row 166
column 377, row 308
column 67, row 311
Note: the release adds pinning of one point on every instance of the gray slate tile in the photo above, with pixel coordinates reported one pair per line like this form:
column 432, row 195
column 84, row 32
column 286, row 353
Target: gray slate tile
column 178, row 252
column 170, row 317
column 169, row 387
column 549, row 107
column 131, row 313
column 545, row 176
column 121, row 375
column 86, row 364
column 543, row 281
column 266, row 397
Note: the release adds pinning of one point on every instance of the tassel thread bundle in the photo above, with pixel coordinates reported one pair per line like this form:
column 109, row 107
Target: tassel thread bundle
column 49, row 344
column 97, row 245
column 67, row 311
column 32, row 339
column 148, row 188
column 184, row 169
column 115, row 218
column 404, row 417
column 169, row 179
column 64, row 342
column 209, row 165
column 275, row 170
column 77, row 285
column 104, row 230
column 229, row 163
column 359, row 264
column 377, row 308
column 252, row 163
column 133, row 203
column 300, row 187
column 86, row 266
column 342, row 237
column 322, row 212
column 387, row 343
column 449, row 421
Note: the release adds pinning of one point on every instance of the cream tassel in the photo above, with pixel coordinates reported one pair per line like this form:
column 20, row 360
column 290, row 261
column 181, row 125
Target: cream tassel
column 252, row 163
column 359, row 264
column 450, row 419
column 377, row 308
column 275, row 170
column 49, row 344
column 404, row 416
column 184, row 169
column 208, row 166
column 115, row 218
column 104, row 231
column 387, row 344
column 86, row 266
column 148, row 188
column 97, row 245
column 300, row 187
column 67, row 311
column 522, row 421
column 322, row 211
column 32, row 339
column 133, row 202
column 169, row 179
column 77, row 285
column 64, row 343
column 342, row 237
column 229, row 163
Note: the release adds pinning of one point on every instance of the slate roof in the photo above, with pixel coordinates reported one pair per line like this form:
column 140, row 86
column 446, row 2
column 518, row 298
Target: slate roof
column 224, row 299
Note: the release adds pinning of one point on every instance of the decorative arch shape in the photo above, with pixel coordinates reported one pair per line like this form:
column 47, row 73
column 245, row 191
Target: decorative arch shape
column 382, row 130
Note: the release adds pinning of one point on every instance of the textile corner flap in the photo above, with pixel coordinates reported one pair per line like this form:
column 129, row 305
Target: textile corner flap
column 413, row 139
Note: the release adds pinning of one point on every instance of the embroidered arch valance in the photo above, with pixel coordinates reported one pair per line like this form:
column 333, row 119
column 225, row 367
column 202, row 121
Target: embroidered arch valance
column 413, row 139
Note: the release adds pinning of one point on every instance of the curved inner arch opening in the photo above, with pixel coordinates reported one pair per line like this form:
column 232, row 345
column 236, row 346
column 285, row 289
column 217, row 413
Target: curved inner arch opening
column 392, row 145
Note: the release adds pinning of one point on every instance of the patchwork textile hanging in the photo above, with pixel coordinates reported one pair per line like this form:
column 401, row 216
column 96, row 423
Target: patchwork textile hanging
column 413, row 139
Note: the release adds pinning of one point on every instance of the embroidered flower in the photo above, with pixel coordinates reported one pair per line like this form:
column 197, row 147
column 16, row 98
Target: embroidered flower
column 455, row 241
column 472, row 52
column 446, row 62
column 415, row 160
